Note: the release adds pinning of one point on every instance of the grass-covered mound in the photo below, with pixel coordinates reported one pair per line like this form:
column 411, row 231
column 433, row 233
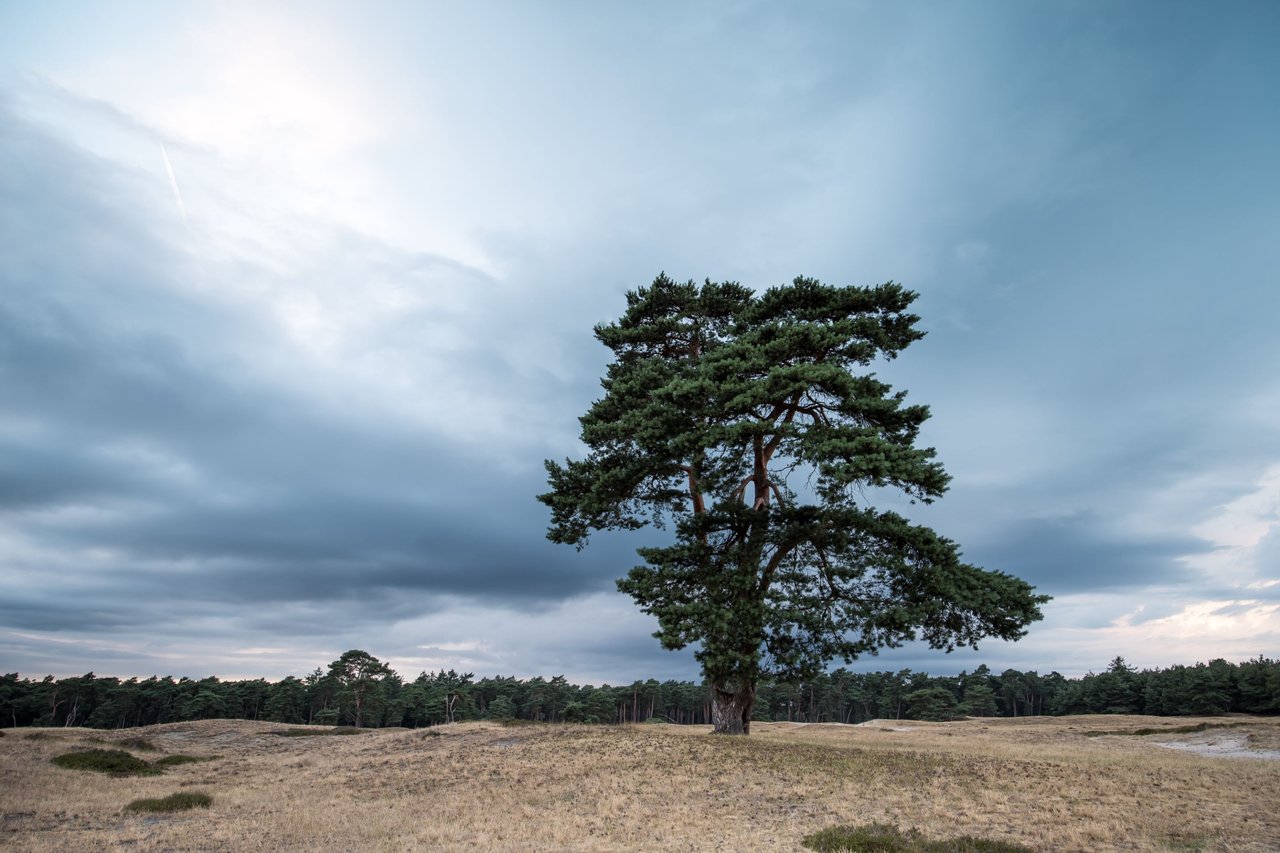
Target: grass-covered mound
column 1168, row 730
column 884, row 838
column 172, row 803
column 116, row 762
column 336, row 730
column 172, row 760
column 137, row 743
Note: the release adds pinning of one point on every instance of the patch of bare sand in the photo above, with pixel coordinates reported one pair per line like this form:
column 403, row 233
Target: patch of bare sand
column 1221, row 746
column 1236, row 736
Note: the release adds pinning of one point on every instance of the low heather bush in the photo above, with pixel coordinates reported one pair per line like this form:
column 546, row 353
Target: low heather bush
column 172, row 803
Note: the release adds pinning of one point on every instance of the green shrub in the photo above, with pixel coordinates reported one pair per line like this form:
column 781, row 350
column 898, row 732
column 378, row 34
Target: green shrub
column 172, row 803
column 872, row 838
column 886, row 838
column 114, row 761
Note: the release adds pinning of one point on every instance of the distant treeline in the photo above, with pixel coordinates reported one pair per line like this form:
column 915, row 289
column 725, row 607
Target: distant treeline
column 358, row 689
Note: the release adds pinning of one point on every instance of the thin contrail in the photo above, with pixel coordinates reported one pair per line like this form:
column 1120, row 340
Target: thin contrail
column 173, row 182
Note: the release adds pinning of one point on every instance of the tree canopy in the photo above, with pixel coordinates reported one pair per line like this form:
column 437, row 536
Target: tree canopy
column 752, row 424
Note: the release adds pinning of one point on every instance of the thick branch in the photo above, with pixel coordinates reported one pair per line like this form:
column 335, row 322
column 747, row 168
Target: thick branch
column 772, row 566
column 790, row 416
column 760, row 475
column 826, row 573
column 699, row 505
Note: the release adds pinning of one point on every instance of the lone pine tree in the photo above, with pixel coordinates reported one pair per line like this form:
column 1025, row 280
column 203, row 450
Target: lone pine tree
column 752, row 425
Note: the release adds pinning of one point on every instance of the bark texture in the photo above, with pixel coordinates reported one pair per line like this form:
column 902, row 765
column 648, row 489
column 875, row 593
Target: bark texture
column 731, row 708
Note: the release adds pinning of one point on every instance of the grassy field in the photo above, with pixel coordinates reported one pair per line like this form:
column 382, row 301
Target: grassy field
column 1073, row 783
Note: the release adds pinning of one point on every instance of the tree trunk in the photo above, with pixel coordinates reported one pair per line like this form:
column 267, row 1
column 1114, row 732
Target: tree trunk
column 731, row 704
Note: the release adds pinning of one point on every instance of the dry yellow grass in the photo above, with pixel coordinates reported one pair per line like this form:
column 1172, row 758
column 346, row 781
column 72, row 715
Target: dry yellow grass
column 477, row 786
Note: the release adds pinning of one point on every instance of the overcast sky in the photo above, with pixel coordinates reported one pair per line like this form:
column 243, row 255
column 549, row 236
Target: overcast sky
column 296, row 298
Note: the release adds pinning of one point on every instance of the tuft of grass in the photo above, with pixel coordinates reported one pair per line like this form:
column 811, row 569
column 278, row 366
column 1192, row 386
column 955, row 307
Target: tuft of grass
column 116, row 762
column 886, row 838
column 172, row 803
column 173, row 760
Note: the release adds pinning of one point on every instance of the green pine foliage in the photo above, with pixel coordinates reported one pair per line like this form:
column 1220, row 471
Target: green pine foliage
column 754, row 426
column 360, row 680
column 839, row 696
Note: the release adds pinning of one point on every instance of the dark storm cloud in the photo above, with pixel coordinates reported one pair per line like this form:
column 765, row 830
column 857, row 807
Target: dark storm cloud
column 260, row 427
column 102, row 610
column 205, row 482
column 1061, row 556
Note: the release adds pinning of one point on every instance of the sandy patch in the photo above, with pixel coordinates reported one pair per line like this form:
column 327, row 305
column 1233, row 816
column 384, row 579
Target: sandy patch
column 1222, row 746
column 887, row 726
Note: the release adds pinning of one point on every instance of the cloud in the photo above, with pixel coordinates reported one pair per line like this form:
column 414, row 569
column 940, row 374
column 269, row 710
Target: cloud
column 316, row 416
column 1246, row 531
column 343, row 433
column 1077, row 553
column 1232, row 629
